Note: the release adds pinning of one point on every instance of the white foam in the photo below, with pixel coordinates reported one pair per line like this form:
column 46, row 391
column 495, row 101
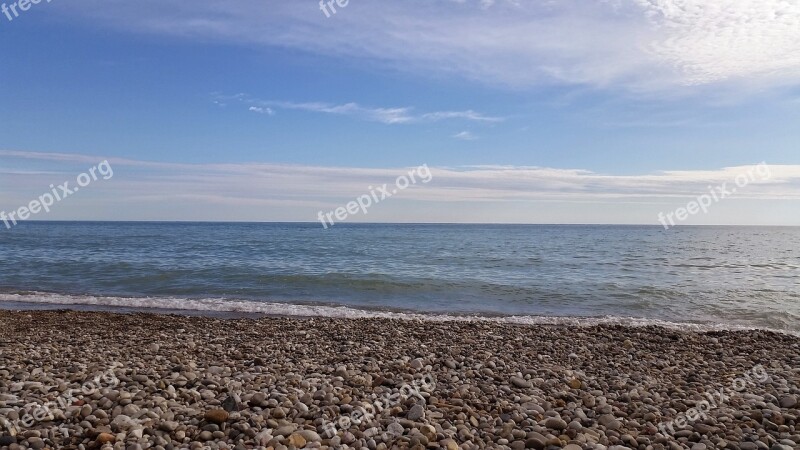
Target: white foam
column 229, row 306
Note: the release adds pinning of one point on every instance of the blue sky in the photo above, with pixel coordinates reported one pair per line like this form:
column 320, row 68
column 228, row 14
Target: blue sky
column 626, row 88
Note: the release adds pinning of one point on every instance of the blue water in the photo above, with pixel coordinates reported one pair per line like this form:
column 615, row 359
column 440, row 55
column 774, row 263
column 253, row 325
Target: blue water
column 716, row 276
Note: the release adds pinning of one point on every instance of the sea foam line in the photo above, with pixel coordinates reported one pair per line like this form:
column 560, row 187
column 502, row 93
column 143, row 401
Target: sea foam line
column 222, row 306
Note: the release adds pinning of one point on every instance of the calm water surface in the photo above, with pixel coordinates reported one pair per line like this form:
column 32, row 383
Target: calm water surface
column 713, row 276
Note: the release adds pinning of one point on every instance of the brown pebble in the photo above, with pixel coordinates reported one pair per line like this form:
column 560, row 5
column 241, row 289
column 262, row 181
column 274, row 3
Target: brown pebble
column 105, row 438
column 217, row 416
column 297, row 440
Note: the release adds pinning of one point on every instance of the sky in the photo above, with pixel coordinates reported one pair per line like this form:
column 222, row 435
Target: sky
column 608, row 111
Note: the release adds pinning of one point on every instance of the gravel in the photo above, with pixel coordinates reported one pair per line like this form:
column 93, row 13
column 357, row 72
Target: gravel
column 169, row 382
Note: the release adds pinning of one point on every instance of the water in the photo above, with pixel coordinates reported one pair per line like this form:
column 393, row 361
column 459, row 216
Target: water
column 707, row 277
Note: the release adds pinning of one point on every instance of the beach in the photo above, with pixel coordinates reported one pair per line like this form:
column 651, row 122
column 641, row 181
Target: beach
column 132, row 381
column 440, row 224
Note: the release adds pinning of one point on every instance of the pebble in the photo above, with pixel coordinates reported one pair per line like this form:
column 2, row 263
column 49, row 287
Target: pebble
column 35, row 442
column 788, row 401
column 217, row 416
column 556, row 423
column 169, row 426
column 297, row 440
column 449, row 444
column 105, row 438
column 416, row 413
column 520, row 382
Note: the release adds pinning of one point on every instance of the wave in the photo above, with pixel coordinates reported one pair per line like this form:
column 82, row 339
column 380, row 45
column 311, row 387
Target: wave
column 226, row 307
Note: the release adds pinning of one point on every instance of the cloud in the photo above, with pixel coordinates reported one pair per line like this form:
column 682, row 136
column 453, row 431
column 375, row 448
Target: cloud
column 637, row 45
column 260, row 110
column 453, row 183
column 383, row 115
column 466, row 115
column 711, row 41
column 465, row 136
column 146, row 190
column 390, row 116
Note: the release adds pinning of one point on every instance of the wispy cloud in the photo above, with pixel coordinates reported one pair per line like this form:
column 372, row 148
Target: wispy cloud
column 641, row 45
column 174, row 191
column 465, row 136
column 384, row 115
column 260, row 110
column 390, row 116
column 466, row 115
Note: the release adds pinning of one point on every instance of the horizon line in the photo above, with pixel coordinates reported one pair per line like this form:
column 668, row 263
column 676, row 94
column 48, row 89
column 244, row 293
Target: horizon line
column 228, row 222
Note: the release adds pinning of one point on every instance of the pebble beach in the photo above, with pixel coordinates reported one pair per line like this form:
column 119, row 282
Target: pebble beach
column 92, row 380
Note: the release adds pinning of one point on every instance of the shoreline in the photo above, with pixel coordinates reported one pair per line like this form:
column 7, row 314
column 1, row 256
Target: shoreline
column 177, row 381
column 241, row 309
